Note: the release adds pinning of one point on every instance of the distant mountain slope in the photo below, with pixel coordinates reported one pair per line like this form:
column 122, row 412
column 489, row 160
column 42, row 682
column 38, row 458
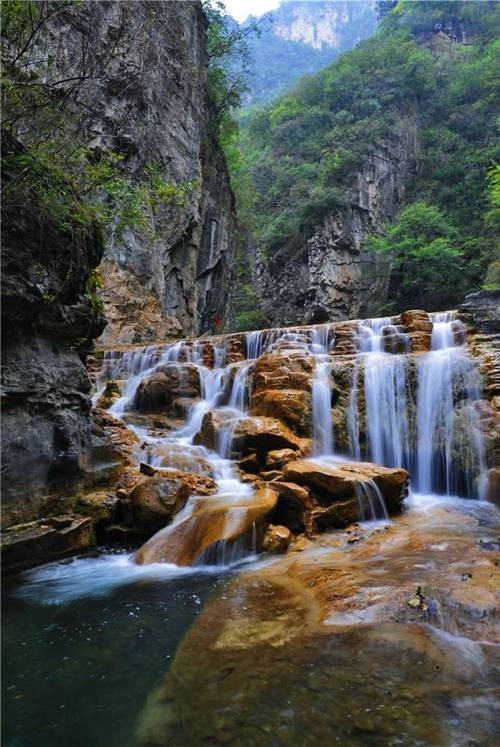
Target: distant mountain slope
column 300, row 38
column 365, row 188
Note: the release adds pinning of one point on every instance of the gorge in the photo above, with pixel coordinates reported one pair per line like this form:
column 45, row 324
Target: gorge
column 251, row 493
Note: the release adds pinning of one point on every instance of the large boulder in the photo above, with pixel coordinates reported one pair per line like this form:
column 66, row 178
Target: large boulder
column 155, row 500
column 281, row 385
column 257, row 435
column 347, row 492
column 211, row 520
column 166, row 385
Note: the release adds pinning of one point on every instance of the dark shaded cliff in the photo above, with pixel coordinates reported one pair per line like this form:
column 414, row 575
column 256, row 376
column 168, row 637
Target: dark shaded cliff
column 48, row 323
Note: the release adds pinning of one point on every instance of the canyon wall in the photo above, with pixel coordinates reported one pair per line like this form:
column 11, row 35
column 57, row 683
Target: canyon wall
column 328, row 276
column 152, row 107
column 48, row 323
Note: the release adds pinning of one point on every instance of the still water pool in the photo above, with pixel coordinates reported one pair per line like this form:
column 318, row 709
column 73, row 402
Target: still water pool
column 85, row 641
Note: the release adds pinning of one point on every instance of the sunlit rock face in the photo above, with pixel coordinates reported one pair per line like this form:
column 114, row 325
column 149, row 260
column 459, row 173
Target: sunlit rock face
column 373, row 636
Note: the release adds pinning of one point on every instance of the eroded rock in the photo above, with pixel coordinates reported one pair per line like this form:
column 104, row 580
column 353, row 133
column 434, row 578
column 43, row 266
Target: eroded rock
column 212, row 520
column 276, row 539
column 156, row 500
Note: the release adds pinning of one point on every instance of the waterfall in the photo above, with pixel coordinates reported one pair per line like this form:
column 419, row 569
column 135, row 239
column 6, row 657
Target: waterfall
column 322, row 407
column 385, row 392
column 450, row 458
column 401, row 409
column 431, row 431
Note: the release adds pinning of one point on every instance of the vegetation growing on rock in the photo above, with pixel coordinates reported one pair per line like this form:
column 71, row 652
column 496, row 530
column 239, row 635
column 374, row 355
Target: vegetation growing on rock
column 429, row 61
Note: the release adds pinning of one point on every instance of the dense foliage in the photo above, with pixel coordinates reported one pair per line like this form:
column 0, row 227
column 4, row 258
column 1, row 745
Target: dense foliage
column 300, row 155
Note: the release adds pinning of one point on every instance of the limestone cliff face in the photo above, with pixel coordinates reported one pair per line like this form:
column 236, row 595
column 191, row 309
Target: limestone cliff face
column 321, row 24
column 152, row 107
column 48, row 322
column 328, row 275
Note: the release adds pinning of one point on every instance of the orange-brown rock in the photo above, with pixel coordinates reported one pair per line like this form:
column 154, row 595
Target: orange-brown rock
column 111, row 393
column 292, row 406
column 133, row 314
column 345, row 338
column 295, row 506
column 276, row 539
column 283, row 369
column 281, row 384
column 262, row 434
column 339, row 481
column 250, row 463
column 212, row 520
column 26, row 545
column 114, row 448
column 155, row 500
column 419, row 326
column 256, row 435
column 169, row 383
column 279, row 457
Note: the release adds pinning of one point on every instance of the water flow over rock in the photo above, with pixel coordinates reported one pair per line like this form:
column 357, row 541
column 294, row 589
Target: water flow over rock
column 240, row 409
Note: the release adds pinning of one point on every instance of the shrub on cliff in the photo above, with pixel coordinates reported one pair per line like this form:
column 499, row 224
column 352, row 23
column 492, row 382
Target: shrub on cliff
column 427, row 260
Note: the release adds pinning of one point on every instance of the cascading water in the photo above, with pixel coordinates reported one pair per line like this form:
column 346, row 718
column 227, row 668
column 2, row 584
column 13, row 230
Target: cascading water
column 418, row 412
column 322, row 407
column 385, row 393
column 428, row 426
column 450, row 457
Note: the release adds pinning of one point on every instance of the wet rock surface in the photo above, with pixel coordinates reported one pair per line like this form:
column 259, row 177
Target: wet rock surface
column 324, row 642
column 27, row 545
column 217, row 519
column 48, row 324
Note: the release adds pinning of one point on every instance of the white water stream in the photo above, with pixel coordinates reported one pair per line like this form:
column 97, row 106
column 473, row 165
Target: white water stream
column 411, row 412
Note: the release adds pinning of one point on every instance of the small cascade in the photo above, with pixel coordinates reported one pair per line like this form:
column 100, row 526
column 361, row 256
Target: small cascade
column 450, row 457
column 385, row 392
column 370, row 500
column 322, row 407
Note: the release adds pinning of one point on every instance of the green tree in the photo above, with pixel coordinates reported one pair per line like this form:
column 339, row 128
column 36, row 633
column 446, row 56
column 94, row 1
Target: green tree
column 426, row 258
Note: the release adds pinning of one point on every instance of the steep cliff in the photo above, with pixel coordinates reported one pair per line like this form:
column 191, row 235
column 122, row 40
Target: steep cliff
column 403, row 121
column 300, row 38
column 48, row 323
column 329, row 275
column 152, row 107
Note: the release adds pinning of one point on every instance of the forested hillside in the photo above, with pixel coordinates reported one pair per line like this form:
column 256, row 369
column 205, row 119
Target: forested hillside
column 300, row 38
column 430, row 63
